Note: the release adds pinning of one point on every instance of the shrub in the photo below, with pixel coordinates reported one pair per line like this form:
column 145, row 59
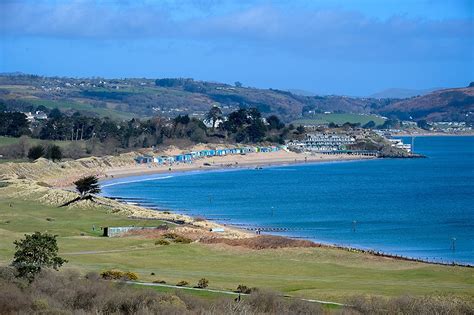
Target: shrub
column 130, row 276
column 203, row 283
column 54, row 153
column 177, row 238
column 36, row 152
column 159, row 281
column 118, row 275
column 162, row 242
column 182, row 283
column 3, row 184
column 243, row 289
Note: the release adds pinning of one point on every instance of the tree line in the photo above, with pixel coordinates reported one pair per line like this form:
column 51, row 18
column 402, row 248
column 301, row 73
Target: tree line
column 245, row 125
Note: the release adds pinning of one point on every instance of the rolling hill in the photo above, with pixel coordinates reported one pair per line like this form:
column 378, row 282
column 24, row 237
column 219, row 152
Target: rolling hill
column 140, row 97
column 442, row 105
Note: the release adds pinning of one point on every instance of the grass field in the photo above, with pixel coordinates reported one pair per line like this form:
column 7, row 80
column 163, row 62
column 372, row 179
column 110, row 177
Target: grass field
column 307, row 272
column 67, row 105
column 318, row 119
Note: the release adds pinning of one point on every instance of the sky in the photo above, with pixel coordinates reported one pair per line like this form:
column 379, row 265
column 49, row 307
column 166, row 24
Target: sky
column 350, row 47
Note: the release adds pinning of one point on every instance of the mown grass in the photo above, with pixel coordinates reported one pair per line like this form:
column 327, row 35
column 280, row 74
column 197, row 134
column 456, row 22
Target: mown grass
column 319, row 273
column 339, row 119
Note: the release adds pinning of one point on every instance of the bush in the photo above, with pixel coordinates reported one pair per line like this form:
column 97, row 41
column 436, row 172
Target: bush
column 182, row 283
column 159, row 281
column 118, row 275
column 36, row 152
column 54, row 153
column 177, row 238
column 4, row 184
column 243, row 289
column 162, row 242
column 203, row 283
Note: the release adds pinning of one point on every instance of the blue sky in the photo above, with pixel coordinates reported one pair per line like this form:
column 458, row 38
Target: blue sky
column 329, row 47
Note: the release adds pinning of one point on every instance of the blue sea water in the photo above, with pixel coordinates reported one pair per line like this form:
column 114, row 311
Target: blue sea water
column 412, row 207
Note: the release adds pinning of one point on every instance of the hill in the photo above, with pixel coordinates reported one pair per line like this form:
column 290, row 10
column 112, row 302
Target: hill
column 443, row 105
column 402, row 93
column 139, row 97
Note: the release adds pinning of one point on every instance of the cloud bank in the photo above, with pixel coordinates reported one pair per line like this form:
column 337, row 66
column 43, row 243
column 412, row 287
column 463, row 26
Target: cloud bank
column 310, row 33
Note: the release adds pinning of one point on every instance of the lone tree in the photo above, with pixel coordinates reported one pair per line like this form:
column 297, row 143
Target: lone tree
column 214, row 115
column 87, row 185
column 35, row 252
column 35, row 152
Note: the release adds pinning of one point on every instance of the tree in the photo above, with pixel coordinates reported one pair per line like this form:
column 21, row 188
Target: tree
column 34, row 252
column 55, row 113
column 300, row 129
column 238, row 84
column 275, row 122
column 54, row 153
column 214, row 115
column 87, row 185
column 13, row 124
column 35, row 152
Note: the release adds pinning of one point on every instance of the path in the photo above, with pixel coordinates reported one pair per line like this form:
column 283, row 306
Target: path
column 150, row 284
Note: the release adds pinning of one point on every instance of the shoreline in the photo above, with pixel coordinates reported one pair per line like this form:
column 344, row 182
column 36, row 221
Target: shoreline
column 127, row 173
column 251, row 231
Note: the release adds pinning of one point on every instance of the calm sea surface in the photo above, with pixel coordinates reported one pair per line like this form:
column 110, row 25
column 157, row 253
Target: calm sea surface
column 413, row 207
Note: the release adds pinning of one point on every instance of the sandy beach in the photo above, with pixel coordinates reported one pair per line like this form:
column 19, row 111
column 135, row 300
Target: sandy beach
column 230, row 161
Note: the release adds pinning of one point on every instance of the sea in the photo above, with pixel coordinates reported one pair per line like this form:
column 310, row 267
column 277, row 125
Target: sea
column 416, row 208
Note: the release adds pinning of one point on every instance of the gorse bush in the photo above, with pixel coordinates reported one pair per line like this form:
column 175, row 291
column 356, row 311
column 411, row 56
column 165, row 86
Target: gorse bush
column 177, row 238
column 118, row 275
column 203, row 283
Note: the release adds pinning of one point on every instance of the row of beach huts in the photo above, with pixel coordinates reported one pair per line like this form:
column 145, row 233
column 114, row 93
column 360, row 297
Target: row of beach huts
column 190, row 156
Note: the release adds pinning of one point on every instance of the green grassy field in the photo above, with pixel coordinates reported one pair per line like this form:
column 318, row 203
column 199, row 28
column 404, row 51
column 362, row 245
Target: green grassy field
column 339, row 119
column 67, row 105
column 319, row 273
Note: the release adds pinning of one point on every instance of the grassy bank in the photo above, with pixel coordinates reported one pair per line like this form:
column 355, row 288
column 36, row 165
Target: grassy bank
column 318, row 273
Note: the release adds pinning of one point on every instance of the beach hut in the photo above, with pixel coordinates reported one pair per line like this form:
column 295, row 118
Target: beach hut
column 188, row 157
column 158, row 159
column 144, row 159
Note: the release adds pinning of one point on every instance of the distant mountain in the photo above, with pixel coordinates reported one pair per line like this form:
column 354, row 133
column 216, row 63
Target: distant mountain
column 402, row 93
column 441, row 105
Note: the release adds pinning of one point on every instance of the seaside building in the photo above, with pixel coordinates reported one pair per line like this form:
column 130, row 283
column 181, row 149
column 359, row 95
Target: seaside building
column 398, row 143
